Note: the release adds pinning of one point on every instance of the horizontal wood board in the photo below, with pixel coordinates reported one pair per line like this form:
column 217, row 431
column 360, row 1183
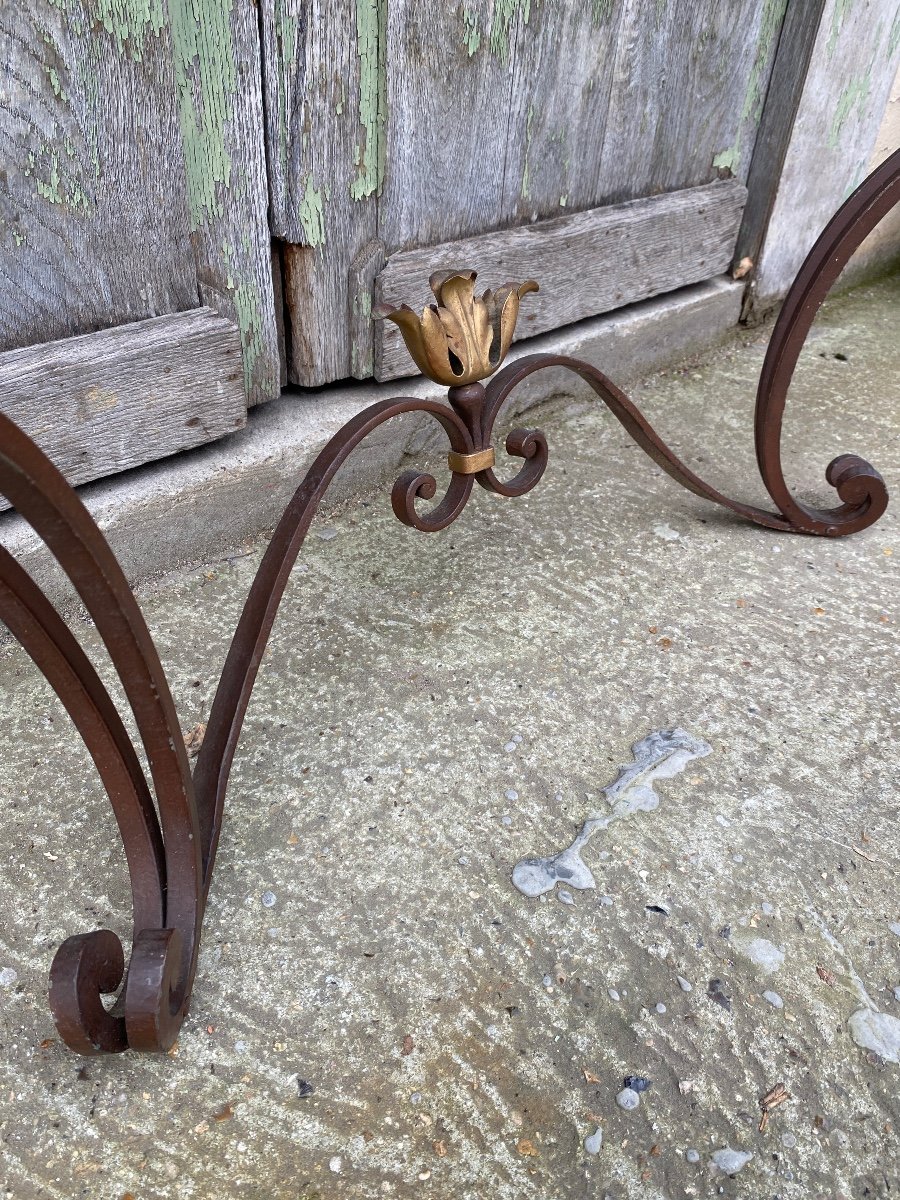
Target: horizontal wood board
column 111, row 400
column 586, row 263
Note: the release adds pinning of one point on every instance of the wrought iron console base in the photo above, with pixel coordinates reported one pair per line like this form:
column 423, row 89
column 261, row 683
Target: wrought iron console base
column 170, row 844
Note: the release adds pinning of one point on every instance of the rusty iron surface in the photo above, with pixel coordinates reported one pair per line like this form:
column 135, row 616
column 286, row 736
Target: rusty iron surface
column 170, row 846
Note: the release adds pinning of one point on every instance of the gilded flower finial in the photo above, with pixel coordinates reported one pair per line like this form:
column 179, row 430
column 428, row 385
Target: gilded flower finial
column 462, row 338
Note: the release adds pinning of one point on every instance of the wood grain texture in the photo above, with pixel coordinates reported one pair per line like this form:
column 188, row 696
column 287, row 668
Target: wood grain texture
column 586, row 263
column 450, row 73
column 218, row 75
column 690, row 77
column 795, row 47
column 853, row 64
column 325, row 111
column 107, row 401
column 134, row 178
column 94, row 222
column 563, row 64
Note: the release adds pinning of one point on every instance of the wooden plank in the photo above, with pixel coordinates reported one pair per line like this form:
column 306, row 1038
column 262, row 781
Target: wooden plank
column 325, row 111
column 852, row 67
column 795, row 47
column 107, row 401
column 564, row 63
column 218, row 77
column 586, row 263
column 94, row 224
column 449, row 83
column 135, row 180
column 689, row 80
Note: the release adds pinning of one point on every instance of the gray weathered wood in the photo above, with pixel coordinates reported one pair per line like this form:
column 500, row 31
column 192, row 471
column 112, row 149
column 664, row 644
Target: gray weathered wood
column 107, row 401
column 586, row 263
column 324, row 82
column 364, row 270
column 852, row 67
column 449, row 82
column 690, row 77
column 218, row 73
column 95, row 225
column 562, row 73
column 134, row 171
column 795, row 47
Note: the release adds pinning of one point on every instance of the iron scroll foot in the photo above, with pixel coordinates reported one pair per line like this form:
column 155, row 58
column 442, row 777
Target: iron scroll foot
column 170, row 823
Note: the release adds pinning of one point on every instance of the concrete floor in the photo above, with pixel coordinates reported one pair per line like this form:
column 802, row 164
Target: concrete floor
column 431, row 710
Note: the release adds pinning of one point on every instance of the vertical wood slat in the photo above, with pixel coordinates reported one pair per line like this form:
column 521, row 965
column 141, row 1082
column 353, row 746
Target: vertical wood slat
column 135, row 171
column 95, row 226
column 689, row 82
column 324, row 85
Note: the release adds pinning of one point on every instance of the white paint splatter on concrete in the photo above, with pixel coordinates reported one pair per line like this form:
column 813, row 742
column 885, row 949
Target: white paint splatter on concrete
column 731, row 1161
column 660, row 755
column 870, row 1029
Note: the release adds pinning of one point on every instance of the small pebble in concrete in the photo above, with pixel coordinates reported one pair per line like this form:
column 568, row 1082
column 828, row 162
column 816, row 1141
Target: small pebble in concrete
column 737, row 858
column 876, row 1031
column 268, row 899
column 304, row 1088
column 692, row 1155
column 492, row 1031
column 637, row 1083
column 506, row 819
column 661, row 1008
column 565, row 897
column 415, row 1097
column 547, row 981
column 774, row 999
column 684, row 984
column 509, row 747
column 240, row 1047
column 731, row 1161
column 334, row 1165
column 767, row 908
column 628, row 1099
column 517, row 738
column 8, row 977
column 594, row 1141
column 512, row 794
column 764, row 954
column 896, row 993
column 463, row 860
column 894, row 927
column 788, row 1140
column 666, row 532
column 326, row 534
column 606, row 901
column 613, row 994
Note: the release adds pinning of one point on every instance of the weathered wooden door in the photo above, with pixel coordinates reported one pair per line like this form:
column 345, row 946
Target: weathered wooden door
column 133, row 201
column 499, row 134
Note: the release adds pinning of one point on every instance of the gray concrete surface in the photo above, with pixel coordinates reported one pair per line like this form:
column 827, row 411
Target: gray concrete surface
column 182, row 510
column 431, row 710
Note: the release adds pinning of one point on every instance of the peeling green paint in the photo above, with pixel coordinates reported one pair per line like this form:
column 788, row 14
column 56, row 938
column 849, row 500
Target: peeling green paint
column 853, row 96
column 894, row 36
column 600, row 11
column 501, row 18
column 286, row 35
column 563, row 201
column 52, row 184
column 246, row 301
column 839, row 15
column 526, row 170
column 472, row 36
column 54, row 81
column 205, row 81
column 371, row 18
column 754, row 97
column 312, row 215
